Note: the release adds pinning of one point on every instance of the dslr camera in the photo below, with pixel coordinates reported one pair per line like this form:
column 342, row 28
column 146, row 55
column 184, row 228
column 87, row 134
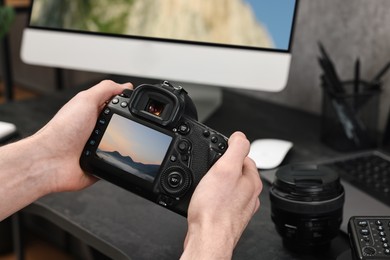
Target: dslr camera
column 148, row 141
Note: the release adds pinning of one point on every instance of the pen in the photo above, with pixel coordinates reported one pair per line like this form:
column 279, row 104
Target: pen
column 356, row 84
column 353, row 128
column 357, row 77
column 330, row 70
column 326, row 78
column 334, row 84
column 381, row 73
column 386, row 133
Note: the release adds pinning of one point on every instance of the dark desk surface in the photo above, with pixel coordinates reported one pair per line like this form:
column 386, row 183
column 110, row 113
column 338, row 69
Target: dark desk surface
column 123, row 226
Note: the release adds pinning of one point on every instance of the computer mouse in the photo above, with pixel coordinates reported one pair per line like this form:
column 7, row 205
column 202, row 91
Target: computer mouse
column 6, row 130
column 269, row 153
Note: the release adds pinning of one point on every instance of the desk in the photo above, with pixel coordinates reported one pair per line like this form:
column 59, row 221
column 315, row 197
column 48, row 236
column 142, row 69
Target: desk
column 124, row 226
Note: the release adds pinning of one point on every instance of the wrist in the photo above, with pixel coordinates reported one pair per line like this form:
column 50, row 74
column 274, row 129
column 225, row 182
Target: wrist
column 34, row 163
column 23, row 175
column 208, row 242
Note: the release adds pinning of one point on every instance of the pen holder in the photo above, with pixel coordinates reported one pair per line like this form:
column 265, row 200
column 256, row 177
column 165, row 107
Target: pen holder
column 350, row 119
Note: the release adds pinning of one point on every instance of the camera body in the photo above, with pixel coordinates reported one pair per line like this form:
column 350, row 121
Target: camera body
column 148, row 141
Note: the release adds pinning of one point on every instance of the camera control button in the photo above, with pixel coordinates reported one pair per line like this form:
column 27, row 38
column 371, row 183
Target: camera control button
column 185, row 158
column 96, row 132
column 222, row 146
column 164, row 201
column 214, row 139
column 126, row 93
column 124, row 104
column 107, row 111
column 92, row 142
column 206, row 133
column 102, row 121
column 175, row 179
column 365, row 232
column 115, row 101
column 363, row 223
column 184, row 129
column 369, row 251
column 173, row 158
column 183, row 146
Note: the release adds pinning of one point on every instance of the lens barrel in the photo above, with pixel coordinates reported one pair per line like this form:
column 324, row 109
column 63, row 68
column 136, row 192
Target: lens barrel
column 307, row 206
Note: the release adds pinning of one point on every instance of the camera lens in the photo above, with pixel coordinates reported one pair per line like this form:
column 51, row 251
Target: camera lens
column 307, row 206
column 155, row 107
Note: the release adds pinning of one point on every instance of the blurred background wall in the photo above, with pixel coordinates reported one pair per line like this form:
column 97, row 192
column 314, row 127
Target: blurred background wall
column 348, row 29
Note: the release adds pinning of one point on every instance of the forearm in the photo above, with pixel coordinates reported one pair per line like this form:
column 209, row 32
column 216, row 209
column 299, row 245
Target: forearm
column 48, row 161
column 208, row 243
column 23, row 175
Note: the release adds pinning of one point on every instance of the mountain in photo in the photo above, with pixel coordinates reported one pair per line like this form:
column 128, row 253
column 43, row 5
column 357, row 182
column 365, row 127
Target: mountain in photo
column 126, row 163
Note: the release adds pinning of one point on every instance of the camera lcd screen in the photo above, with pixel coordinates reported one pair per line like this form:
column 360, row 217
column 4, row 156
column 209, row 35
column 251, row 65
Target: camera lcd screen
column 133, row 147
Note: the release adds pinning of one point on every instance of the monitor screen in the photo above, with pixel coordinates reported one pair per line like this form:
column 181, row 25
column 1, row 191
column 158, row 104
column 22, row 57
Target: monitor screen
column 233, row 43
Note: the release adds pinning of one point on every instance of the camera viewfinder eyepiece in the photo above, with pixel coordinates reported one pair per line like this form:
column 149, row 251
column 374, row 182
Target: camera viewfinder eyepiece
column 155, row 107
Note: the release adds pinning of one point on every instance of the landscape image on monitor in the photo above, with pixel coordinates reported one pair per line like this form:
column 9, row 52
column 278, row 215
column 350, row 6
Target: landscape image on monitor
column 133, row 148
column 247, row 23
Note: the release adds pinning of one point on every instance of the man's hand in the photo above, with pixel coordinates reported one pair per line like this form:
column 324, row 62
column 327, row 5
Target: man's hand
column 48, row 161
column 65, row 135
column 223, row 204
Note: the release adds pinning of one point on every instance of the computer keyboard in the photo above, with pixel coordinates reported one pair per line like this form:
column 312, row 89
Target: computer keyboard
column 368, row 172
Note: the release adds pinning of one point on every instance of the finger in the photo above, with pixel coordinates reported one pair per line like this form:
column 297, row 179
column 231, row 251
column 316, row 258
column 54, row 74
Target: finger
column 236, row 153
column 251, row 173
column 257, row 206
column 250, row 170
column 106, row 89
column 127, row 85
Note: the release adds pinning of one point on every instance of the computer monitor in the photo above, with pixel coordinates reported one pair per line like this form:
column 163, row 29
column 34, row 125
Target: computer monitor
column 226, row 43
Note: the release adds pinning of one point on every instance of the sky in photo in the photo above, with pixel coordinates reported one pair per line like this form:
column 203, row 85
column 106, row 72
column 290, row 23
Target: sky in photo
column 129, row 138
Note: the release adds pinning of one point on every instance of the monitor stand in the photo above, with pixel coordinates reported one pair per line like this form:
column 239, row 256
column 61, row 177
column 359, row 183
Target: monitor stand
column 207, row 99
